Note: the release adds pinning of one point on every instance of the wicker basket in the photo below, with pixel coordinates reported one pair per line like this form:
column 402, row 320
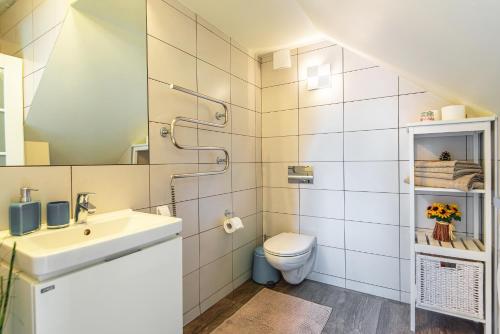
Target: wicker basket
column 450, row 285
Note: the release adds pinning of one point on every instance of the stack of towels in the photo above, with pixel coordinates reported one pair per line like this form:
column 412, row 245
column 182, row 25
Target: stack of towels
column 461, row 175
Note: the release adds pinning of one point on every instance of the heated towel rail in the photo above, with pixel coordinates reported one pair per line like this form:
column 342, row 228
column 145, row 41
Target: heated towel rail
column 180, row 119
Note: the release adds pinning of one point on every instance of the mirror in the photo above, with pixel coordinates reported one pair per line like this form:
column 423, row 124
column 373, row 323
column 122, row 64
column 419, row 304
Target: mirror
column 90, row 106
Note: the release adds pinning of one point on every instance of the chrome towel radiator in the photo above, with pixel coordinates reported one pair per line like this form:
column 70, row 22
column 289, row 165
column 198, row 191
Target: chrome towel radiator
column 164, row 132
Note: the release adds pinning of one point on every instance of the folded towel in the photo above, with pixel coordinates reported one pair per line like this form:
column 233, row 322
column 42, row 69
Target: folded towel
column 449, row 170
column 447, row 176
column 441, row 164
column 463, row 183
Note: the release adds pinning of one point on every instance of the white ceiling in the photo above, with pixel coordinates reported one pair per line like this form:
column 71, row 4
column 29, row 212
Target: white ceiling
column 259, row 25
column 451, row 47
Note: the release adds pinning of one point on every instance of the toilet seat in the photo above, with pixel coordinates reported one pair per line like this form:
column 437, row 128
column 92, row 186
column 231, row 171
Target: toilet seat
column 293, row 254
column 289, row 244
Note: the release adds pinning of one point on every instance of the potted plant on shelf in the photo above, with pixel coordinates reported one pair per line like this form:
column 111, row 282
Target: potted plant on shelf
column 5, row 289
column 445, row 216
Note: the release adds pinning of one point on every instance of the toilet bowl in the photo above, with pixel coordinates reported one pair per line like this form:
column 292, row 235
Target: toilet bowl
column 293, row 254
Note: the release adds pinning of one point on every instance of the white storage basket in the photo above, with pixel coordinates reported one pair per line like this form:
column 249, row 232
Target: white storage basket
column 450, row 285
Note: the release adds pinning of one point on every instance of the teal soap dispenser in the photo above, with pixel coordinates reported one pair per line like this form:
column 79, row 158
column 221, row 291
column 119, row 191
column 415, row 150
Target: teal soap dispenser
column 26, row 216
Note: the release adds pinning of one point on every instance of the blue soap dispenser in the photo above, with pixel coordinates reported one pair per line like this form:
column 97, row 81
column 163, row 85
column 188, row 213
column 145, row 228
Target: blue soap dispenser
column 26, row 216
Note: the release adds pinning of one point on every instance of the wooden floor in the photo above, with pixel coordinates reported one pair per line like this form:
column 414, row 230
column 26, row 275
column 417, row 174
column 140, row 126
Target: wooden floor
column 352, row 312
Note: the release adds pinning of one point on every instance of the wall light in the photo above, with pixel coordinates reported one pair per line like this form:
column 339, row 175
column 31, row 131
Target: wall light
column 319, row 77
column 282, row 59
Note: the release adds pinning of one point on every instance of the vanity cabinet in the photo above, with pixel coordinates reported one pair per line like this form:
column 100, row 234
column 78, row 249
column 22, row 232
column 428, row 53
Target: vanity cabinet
column 140, row 292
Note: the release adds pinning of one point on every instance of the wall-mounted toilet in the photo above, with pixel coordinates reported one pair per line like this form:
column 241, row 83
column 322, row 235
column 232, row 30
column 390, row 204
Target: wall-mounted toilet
column 293, row 254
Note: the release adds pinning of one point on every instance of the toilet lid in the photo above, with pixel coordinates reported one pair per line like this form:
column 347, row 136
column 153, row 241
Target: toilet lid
column 289, row 244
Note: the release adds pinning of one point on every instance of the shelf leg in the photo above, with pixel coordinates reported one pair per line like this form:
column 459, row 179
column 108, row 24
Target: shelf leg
column 412, row 321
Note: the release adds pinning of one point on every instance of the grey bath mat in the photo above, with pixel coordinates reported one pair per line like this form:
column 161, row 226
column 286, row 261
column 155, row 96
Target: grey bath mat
column 270, row 312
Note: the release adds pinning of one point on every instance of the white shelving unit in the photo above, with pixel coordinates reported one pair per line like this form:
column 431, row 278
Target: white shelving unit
column 477, row 246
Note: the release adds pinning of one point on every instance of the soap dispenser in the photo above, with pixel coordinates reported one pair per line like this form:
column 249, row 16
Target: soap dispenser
column 25, row 217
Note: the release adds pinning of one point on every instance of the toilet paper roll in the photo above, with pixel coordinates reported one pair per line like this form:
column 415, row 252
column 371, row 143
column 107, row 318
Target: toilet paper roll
column 231, row 225
column 454, row 112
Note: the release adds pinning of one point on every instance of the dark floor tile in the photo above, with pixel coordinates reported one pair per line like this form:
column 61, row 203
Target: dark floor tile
column 352, row 312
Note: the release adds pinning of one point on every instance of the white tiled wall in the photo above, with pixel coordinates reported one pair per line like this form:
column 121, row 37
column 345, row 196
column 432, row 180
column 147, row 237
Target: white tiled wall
column 29, row 30
column 186, row 50
column 354, row 136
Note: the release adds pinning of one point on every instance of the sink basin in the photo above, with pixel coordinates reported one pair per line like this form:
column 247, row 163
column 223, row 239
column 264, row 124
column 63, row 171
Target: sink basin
column 50, row 253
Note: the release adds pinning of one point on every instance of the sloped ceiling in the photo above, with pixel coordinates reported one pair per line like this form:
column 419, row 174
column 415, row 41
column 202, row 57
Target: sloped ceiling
column 451, row 47
column 5, row 4
column 259, row 25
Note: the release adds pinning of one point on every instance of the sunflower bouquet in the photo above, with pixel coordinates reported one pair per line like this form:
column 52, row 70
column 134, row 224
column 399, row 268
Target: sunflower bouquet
column 445, row 216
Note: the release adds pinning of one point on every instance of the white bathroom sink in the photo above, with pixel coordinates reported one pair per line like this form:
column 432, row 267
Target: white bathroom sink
column 49, row 253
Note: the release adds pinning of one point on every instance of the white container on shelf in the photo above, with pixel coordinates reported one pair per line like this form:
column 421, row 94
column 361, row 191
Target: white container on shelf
column 453, row 112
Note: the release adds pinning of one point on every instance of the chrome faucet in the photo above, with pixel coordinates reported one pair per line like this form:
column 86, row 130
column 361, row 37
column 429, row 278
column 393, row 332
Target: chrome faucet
column 83, row 207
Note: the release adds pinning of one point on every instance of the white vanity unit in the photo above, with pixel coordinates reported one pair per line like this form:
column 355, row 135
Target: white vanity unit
column 120, row 273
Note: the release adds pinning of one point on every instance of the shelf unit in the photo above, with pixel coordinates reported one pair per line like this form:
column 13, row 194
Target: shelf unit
column 479, row 246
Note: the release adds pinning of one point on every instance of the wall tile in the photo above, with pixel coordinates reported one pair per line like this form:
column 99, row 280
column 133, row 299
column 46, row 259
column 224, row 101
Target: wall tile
column 280, row 149
column 215, row 276
column 243, row 121
column 322, row 119
column 408, row 87
column 353, row 62
column 213, row 138
column 359, row 264
column 244, row 148
column 321, row 147
column 371, row 145
column 328, row 232
column 242, row 259
column 53, row 183
column 405, row 266
column 191, row 291
column 330, row 261
column 242, row 65
column 271, row 77
column 280, row 123
column 247, row 234
column 213, row 81
column 404, row 209
column 188, row 211
column 212, row 211
column 165, row 104
column 410, row 106
column 244, row 176
column 404, row 243
column 213, row 49
column 185, row 189
column 170, row 65
column 276, row 223
column 132, row 182
column 214, row 184
column 371, row 114
column 327, row 175
column 242, row 93
column 311, row 98
column 331, row 55
column 281, row 200
column 322, row 203
column 373, row 290
column 214, row 244
column 244, row 203
column 190, row 254
column 49, row 14
column 379, row 208
column 369, row 83
column 372, row 238
column 381, row 176
column 280, row 97
column 163, row 151
column 275, row 174
column 171, row 26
